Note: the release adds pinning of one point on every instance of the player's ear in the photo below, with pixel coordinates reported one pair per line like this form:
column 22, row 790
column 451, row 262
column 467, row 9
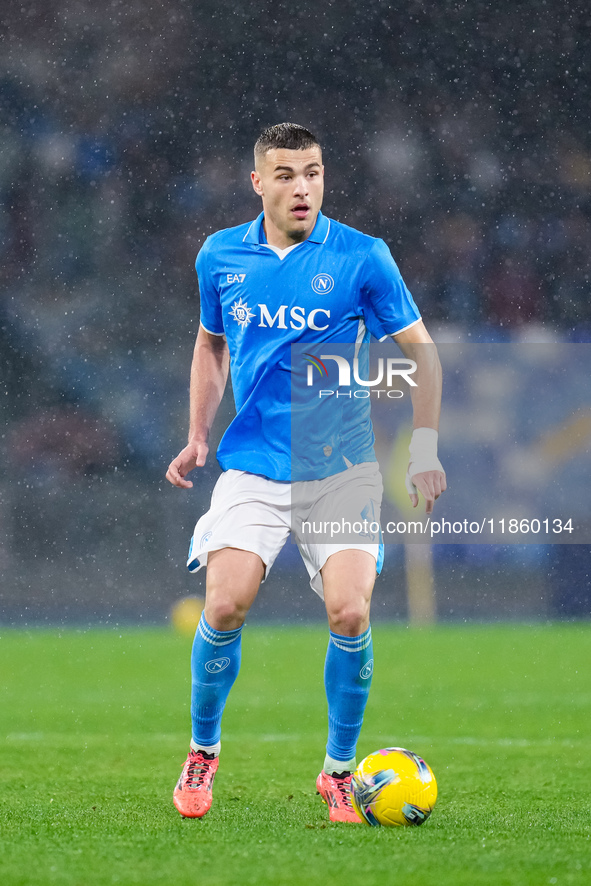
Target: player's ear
column 256, row 183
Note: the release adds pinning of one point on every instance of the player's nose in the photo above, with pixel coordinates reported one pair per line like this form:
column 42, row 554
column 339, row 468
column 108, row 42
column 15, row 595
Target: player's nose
column 300, row 188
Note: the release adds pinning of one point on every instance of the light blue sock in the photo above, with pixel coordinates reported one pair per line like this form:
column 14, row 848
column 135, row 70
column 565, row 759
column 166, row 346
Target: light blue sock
column 347, row 678
column 215, row 662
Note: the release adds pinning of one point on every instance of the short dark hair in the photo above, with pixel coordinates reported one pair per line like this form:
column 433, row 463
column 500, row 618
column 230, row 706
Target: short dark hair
column 288, row 136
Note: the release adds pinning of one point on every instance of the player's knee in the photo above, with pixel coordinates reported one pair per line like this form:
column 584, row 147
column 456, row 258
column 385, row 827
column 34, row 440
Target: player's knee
column 349, row 618
column 224, row 613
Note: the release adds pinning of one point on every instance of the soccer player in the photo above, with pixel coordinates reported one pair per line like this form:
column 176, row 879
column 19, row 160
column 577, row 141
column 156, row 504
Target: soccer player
column 291, row 276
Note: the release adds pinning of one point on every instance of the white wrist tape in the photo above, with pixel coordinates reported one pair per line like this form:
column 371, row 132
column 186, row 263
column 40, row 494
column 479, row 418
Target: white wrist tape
column 423, row 455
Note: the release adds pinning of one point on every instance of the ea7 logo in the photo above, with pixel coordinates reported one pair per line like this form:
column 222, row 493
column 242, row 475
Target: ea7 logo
column 235, row 278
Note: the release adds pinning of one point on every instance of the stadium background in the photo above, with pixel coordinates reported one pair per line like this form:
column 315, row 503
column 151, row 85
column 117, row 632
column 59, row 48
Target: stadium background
column 459, row 134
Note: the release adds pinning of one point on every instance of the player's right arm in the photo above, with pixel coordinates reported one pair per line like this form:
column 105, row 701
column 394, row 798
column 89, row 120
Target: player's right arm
column 209, row 371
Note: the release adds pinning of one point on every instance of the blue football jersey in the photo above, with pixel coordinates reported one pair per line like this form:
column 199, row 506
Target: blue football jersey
column 338, row 286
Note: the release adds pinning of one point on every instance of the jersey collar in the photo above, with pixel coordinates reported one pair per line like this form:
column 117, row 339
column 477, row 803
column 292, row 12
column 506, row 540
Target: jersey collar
column 256, row 233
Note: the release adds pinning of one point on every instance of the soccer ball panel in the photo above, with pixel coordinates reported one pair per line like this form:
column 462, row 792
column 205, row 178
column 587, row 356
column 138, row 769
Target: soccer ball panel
column 393, row 787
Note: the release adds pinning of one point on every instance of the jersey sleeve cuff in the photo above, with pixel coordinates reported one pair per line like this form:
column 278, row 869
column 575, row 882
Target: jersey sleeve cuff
column 205, row 329
column 404, row 328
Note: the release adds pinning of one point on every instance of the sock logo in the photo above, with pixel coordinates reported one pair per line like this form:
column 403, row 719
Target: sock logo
column 367, row 670
column 217, row 664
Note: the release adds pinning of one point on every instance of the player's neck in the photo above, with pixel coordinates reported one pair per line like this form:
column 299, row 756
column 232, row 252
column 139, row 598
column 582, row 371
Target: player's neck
column 284, row 239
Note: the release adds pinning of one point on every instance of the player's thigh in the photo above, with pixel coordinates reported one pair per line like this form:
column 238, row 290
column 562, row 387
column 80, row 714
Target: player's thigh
column 348, row 578
column 249, row 513
column 232, row 583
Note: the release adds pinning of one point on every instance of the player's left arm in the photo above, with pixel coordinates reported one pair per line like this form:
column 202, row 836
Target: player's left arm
column 425, row 473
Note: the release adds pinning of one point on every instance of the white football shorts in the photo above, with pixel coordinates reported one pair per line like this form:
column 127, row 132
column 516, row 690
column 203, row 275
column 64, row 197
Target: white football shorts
column 253, row 513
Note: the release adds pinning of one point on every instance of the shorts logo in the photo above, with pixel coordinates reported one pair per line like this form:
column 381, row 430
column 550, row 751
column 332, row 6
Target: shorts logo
column 241, row 313
column 322, row 283
column 216, row 665
column 366, row 671
column 205, row 538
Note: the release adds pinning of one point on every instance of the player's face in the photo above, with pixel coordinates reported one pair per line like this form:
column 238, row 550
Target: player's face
column 291, row 184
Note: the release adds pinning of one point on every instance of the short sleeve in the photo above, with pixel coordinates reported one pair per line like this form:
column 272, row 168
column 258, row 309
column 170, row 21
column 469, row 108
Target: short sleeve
column 211, row 311
column 387, row 305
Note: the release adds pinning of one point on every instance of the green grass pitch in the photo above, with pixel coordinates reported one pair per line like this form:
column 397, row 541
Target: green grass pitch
column 95, row 728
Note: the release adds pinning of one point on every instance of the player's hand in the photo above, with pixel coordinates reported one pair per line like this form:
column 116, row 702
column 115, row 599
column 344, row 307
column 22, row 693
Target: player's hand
column 429, row 483
column 192, row 456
